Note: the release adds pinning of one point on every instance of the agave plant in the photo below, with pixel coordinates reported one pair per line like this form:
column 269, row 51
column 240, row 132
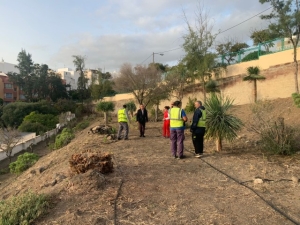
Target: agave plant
column 220, row 124
column 254, row 75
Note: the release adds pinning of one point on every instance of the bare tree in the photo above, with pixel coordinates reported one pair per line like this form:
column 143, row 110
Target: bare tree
column 141, row 81
column 9, row 138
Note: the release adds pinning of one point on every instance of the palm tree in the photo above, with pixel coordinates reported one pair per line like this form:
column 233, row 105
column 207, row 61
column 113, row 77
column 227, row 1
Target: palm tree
column 220, row 124
column 254, row 75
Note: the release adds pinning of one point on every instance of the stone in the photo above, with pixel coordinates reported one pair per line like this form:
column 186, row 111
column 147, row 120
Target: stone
column 295, row 180
column 41, row 169
column 258, row 181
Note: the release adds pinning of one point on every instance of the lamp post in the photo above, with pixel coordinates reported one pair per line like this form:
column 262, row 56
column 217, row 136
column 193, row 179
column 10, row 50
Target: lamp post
column 154, row 54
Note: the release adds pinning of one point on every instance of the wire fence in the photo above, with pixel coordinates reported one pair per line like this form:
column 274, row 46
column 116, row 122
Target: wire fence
column 253, row 53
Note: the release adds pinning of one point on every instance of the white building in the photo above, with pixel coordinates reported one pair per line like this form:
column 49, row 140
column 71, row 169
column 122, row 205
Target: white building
column 70, row 76
column 7, row 67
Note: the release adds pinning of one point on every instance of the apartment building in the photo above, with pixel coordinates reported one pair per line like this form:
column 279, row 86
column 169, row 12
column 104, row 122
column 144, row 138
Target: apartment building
column 8, row 91
column 69, row 76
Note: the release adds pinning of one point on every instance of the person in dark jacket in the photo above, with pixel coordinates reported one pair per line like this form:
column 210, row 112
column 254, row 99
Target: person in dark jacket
column 142, row 118
column 198, row 128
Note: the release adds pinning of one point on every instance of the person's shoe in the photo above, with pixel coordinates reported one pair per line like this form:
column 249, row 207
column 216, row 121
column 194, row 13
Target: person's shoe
column 125, row 138
column 119, row 138
column 181, row 157
column 197, row 155
column 143, row 135
column 175, row 157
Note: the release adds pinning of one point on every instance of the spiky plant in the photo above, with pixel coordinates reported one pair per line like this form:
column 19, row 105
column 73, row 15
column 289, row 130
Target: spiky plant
column 254, row 75
column 220, row 124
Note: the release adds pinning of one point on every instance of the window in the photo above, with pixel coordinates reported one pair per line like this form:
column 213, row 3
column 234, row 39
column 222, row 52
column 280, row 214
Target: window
column 22, row 97
column 8, row 86
column 9, row 95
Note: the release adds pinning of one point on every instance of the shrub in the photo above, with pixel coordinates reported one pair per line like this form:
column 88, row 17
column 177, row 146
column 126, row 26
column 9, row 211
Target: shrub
column 64, row 138
column 28, row 126
column 23, row 209
column 279, row 138
column 4, row 171
column 296, row 98
column 23, row 162
column 82, row 125
column 253, row 56
column 190, row 107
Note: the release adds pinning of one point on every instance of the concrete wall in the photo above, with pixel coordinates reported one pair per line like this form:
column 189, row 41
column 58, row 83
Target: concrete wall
column 31, row 139
column 278, row 68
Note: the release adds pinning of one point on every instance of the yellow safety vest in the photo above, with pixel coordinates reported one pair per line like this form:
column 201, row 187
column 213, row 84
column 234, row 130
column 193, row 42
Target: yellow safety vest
column 202, row 120
column 175, row 117
column 122, row 116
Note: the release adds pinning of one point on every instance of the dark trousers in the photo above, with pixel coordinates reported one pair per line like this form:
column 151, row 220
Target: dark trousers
column 198, row 142
column 142, row 127
column 177, row 138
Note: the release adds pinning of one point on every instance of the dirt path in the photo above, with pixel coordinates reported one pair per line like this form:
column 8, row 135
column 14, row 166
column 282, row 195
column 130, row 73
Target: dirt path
column 158, row 189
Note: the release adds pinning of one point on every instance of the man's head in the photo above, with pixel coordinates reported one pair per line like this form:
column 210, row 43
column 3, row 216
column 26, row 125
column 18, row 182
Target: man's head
column 177, row 103
column 142, row 106
column 124, row 106
column 197, row 104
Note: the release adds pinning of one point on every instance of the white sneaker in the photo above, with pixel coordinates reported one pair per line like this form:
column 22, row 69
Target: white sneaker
column 197, row 155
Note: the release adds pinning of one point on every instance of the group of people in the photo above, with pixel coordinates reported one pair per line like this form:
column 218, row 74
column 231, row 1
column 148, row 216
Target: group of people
column 174, row 119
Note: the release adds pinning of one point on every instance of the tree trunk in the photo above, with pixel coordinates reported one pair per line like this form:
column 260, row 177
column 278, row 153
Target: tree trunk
column 296, row 70
column 156, row 113
column 105, row 118
column 255, row 90
column 219, row 144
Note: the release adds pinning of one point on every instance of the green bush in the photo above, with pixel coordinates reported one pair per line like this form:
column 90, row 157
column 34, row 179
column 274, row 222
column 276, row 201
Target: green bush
column 190, row 106
column 82, row 125
column 296, row 98
column 65, row 105
column 28, row 126
column 23, row 209
column 4, row 171
column 23, row 162
column 64, row 138
column 253, row 56
column 14, row 112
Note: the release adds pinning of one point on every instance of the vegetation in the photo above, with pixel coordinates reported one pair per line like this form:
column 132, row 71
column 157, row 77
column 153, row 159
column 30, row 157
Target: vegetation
column 63, row 138
column 253, row 56
column 23, row 209
column 197, row 44
column 275, row 136
column 102, row 85
column 190, row 106
column 230, row 49
column 262, row 37
column 285, row 22
column 39, row 123
column 23, row 162
column 131, row 107
column 253, row 76
column 82, row 125
column 296, row 98
column 9, row 138
column 105, row 107
column 79, row 63
column 14, row 113
column 220, row 124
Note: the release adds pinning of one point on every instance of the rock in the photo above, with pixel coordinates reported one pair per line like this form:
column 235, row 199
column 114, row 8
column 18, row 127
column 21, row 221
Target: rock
column 258, row 181
column 53, row 182
column 60, row 177
column 33, row 172
column 41, row 169
column 295, row 180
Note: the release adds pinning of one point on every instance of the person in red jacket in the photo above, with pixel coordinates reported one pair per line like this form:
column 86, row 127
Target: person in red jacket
column 166, row 125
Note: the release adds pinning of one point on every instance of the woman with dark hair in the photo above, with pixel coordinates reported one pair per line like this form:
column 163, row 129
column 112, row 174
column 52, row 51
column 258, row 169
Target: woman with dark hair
column 166, row 124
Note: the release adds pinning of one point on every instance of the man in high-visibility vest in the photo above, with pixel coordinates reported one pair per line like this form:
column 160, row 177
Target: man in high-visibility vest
column 198, row 128
column 177, row 127
column 123, row 122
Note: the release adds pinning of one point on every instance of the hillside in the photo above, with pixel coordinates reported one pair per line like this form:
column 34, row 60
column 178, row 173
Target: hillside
column 148, row 186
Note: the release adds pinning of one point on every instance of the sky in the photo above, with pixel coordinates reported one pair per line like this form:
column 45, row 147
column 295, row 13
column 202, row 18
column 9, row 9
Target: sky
column 109, row 33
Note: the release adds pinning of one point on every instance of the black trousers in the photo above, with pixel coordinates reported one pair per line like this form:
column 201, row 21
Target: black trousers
column 142, row 127
column 198, row 142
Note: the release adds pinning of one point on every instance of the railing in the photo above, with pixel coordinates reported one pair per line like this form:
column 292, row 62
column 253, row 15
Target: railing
column 253, row 53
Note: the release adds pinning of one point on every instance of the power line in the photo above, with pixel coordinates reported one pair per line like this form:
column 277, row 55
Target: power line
column 217, row 34
column 244, row 21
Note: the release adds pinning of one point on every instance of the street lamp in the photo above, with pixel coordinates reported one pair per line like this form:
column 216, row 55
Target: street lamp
column 154, row 54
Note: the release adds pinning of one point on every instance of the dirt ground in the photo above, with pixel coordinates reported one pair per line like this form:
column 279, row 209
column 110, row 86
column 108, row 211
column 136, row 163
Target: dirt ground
column 148, row 186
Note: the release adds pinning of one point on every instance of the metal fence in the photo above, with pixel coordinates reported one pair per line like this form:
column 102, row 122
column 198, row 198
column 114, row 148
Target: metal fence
column 253, row 53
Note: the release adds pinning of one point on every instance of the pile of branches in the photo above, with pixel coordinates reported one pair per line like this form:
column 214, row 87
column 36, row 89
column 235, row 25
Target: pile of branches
column 88, row 160
column 102, row 129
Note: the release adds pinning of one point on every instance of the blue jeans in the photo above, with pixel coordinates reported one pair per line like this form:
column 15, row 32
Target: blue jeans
column 177, row 138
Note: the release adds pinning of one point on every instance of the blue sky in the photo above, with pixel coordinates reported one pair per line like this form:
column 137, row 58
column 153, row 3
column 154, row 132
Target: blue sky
column 112, row 32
